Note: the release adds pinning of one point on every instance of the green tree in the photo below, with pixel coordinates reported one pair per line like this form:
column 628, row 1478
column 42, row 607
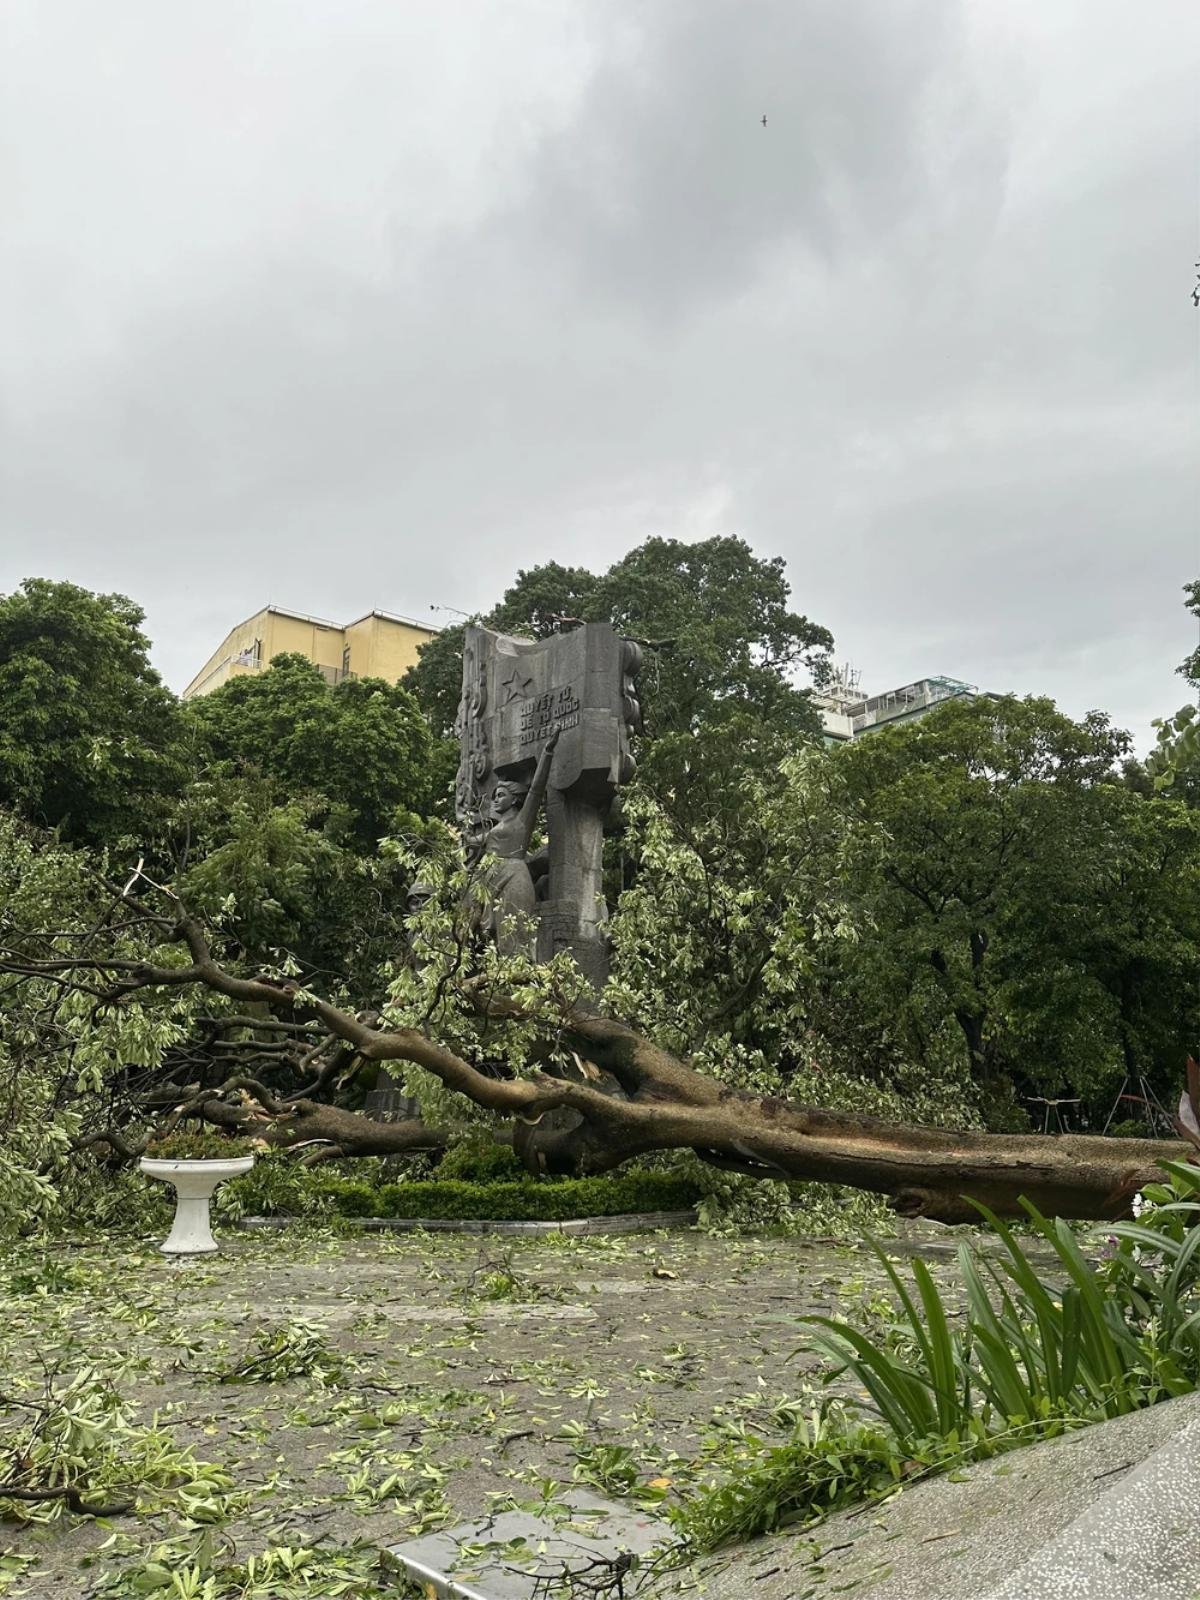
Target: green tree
column 1022, row 900
column 361, row 745
column 734, row 944
column 1190, row 666
column 1173, row 765
column 283, row 885
column 972, row 898
column 723, row 641
column 91, row 742
column 1132, row 926
column 64, row 1053
column 277, row 841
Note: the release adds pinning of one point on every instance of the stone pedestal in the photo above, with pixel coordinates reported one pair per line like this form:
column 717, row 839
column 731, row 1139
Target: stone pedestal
column 195, row 1183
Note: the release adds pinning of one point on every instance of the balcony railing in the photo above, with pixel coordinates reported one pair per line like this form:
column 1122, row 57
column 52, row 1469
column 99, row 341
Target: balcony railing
column 334, row 674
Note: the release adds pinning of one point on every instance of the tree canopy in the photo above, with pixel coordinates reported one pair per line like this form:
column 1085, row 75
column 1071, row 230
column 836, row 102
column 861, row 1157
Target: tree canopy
column 361, row 745
column 1016, row 899
column 1190, row 665
column 1174, row 763
column 91, row 741
column 720, row 635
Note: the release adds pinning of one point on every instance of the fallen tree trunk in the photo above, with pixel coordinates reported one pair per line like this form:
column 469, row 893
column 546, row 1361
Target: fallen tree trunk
column 925, row 1172
column 660, row 1103
column 664, row 1104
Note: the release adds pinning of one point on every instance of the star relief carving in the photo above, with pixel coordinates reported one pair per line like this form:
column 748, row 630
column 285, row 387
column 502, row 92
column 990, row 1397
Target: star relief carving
column 516, row 685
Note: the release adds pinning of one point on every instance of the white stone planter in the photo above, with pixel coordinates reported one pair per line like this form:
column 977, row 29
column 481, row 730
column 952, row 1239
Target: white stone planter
column 195, row 1183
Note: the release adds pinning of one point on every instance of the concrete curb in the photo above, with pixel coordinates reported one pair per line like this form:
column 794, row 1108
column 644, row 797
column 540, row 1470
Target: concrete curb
column 1140, row 1538
column 1103, row 1512
column 599, row 1529
column 644, row 1222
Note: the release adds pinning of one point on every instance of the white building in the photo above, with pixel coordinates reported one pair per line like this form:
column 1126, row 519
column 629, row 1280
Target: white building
column 847, row 713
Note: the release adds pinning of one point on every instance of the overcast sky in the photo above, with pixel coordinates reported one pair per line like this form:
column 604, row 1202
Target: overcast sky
column 339, row 304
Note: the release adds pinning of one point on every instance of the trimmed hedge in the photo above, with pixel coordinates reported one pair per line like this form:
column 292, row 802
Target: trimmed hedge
column 527, row 1200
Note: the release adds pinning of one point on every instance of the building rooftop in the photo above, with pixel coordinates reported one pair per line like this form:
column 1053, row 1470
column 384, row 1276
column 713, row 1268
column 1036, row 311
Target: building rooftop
column 846, row 712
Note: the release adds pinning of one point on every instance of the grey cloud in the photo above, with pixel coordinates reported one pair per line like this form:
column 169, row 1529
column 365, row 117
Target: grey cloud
column 436, row 296
column 670, row 189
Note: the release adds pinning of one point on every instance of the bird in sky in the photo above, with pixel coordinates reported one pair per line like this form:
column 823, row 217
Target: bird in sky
column 764, row 119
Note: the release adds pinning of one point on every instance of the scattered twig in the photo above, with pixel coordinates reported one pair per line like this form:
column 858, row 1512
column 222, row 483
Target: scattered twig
column 74, row 1497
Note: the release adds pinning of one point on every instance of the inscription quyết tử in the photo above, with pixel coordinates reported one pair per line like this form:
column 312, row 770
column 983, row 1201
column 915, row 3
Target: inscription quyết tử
column 548, row 713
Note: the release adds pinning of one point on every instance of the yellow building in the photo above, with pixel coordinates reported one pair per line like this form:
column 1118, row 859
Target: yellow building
column 378, row 645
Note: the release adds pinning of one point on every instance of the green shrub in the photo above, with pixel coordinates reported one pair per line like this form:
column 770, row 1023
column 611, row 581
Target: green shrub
column 206, row 1146
column 275, row 1186
column 827, row 1464
column 526, row 1200
column 350, row 1199
column 480, row 1160
column 1130, row 1128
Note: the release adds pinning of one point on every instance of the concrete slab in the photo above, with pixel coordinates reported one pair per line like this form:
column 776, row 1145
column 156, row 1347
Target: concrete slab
column 1104, row 1513
column 516, row 1555
column 1141, row 1538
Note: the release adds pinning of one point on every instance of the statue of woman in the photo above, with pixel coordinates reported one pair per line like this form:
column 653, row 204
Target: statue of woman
column 507, row 862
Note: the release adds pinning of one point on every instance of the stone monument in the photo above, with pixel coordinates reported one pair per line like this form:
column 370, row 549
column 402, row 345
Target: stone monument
column 546, row 720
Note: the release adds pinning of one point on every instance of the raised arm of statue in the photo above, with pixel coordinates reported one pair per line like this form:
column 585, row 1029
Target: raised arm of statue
column 537, row 789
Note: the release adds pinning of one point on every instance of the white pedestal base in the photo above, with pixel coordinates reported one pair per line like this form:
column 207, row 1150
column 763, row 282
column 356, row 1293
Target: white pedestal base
column 195, row 1183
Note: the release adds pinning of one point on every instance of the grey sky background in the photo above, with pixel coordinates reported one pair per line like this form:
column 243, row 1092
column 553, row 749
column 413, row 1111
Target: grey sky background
column 348, row 303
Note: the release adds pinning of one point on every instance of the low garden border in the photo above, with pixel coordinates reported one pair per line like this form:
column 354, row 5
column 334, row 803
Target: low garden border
column 642, row 1222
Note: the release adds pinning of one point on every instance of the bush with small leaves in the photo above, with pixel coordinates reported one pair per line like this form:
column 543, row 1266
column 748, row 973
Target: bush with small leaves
column 477, row 1159
column 526, row 1200
column 276, row 1186
column 206, row 1146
